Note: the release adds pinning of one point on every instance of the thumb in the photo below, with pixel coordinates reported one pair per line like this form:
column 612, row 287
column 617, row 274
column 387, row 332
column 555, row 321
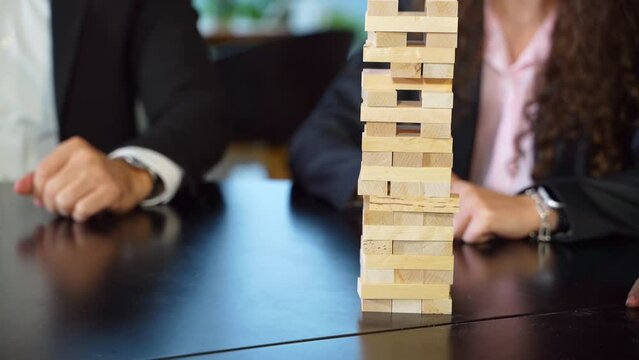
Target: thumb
column 24, row 186
column 633, row 296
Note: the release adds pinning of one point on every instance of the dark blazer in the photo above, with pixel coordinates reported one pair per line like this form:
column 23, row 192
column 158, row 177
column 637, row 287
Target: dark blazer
column 326, row 159
column 108, row 54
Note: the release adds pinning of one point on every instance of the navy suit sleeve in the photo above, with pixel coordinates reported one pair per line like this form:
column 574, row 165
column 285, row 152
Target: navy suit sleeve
column 325, row 151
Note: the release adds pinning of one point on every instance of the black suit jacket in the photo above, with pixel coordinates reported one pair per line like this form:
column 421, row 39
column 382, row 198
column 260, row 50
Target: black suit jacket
column 109, row 53
column 326, row 159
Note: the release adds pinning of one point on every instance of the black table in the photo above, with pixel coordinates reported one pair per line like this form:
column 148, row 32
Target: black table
column 252, row 270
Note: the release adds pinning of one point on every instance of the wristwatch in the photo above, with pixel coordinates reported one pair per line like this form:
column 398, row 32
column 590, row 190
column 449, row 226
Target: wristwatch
column 543, row 210
column 545, row 202
column 158, row 184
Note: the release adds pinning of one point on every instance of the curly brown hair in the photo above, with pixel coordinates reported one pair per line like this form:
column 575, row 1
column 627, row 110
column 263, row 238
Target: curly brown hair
column 588, row 91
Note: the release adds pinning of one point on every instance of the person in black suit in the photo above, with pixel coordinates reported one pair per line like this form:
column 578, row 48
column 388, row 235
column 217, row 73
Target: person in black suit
column 582, row 117
column 95, row 59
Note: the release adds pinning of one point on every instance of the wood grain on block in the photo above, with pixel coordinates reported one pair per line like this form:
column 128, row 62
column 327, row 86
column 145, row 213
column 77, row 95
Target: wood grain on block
column 442, row 8
column 383, row 39
column 374, row 79
column 406, row 144
column 381, row 129
column 408, row 233
column 438, row 219
column 379, row 98
column 422, row 248
column 384, row 306
column 378, row 276
column 438, row 160
column 401, row 188
column 372, row 188
column 438, row 71
column 437, row 277
column 383, row 7
column 409, row 276
column 435, row 131
column 436, row 189
column 437, row 100
column 403, row 291
column 416, row 22
column 407, row 262
column 402, row 159
column 406, row 218
column 445, row 41
column 379, row 218
column 426, row 176
column 409, row 54
column 406, row 70
column 407, row 112
column 407, row 306
column 377, row 158
column 374, row 247
column 424, row 205
column 437, row 306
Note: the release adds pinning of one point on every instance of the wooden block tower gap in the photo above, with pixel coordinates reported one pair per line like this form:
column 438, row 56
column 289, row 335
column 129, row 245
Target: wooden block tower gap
column 407, row 157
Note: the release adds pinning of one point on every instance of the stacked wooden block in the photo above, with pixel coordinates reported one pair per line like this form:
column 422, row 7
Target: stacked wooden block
column 407, row 158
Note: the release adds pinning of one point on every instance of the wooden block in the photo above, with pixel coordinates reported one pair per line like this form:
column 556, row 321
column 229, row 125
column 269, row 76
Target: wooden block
column 416, row 22
column 379, row 97
column 382, row 79
column 446, row 41
column 427, row 205
column 435, row 131
column 403, row 291
column 402, row 159
column 377, row 158
column 437, row 306
column 409, row 277
column 407, row 306
column 376, row 306
column 422, row 248
column 382, row 39
column 407, row 112
column 406, row 144
column 380, row 129
column 436, row 189
column 437, row 100
column 409, row 54
column 378, row 276
column 401, row 189
column 370, row 188
column 435, row 276
column 406, row 70
column 436, row 220
column 407, row 262
column 438, row 160
column 427, row 176
column 407, row 218
column 438, row 71
column 408, row 233
column 383, row 7
column 442, row 8
column 379, row 218
column 372, row 247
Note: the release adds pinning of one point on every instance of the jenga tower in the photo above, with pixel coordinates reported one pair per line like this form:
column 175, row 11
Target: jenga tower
column 407, row 159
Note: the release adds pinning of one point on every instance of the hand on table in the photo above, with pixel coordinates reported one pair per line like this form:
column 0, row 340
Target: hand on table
column 633, row 296
column 79, row 181
column 485, row 214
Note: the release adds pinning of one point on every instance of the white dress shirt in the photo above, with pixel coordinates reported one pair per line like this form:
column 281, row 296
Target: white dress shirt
column 28, row 120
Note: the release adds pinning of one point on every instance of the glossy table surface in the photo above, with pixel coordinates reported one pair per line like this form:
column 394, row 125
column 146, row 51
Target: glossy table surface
column 253, row 270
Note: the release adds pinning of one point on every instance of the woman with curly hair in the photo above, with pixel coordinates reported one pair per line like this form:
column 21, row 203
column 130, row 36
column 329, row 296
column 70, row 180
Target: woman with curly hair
column 546, row 119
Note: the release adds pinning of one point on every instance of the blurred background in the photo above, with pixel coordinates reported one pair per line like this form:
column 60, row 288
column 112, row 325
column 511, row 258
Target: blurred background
column 280, row 55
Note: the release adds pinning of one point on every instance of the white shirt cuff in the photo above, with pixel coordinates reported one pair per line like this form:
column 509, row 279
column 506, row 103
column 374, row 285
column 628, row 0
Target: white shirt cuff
column 168, row 171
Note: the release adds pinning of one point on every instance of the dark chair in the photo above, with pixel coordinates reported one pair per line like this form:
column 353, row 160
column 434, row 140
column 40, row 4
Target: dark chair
column 271, row 88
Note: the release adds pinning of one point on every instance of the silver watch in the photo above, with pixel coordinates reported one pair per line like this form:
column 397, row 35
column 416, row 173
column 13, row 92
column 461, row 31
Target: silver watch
column 543, row 210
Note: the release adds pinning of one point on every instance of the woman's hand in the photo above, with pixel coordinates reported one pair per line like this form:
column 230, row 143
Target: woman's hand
column 485, row 215
column 633, row 296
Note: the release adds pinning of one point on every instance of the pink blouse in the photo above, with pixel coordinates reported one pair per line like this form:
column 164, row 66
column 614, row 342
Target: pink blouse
column 505, row 90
